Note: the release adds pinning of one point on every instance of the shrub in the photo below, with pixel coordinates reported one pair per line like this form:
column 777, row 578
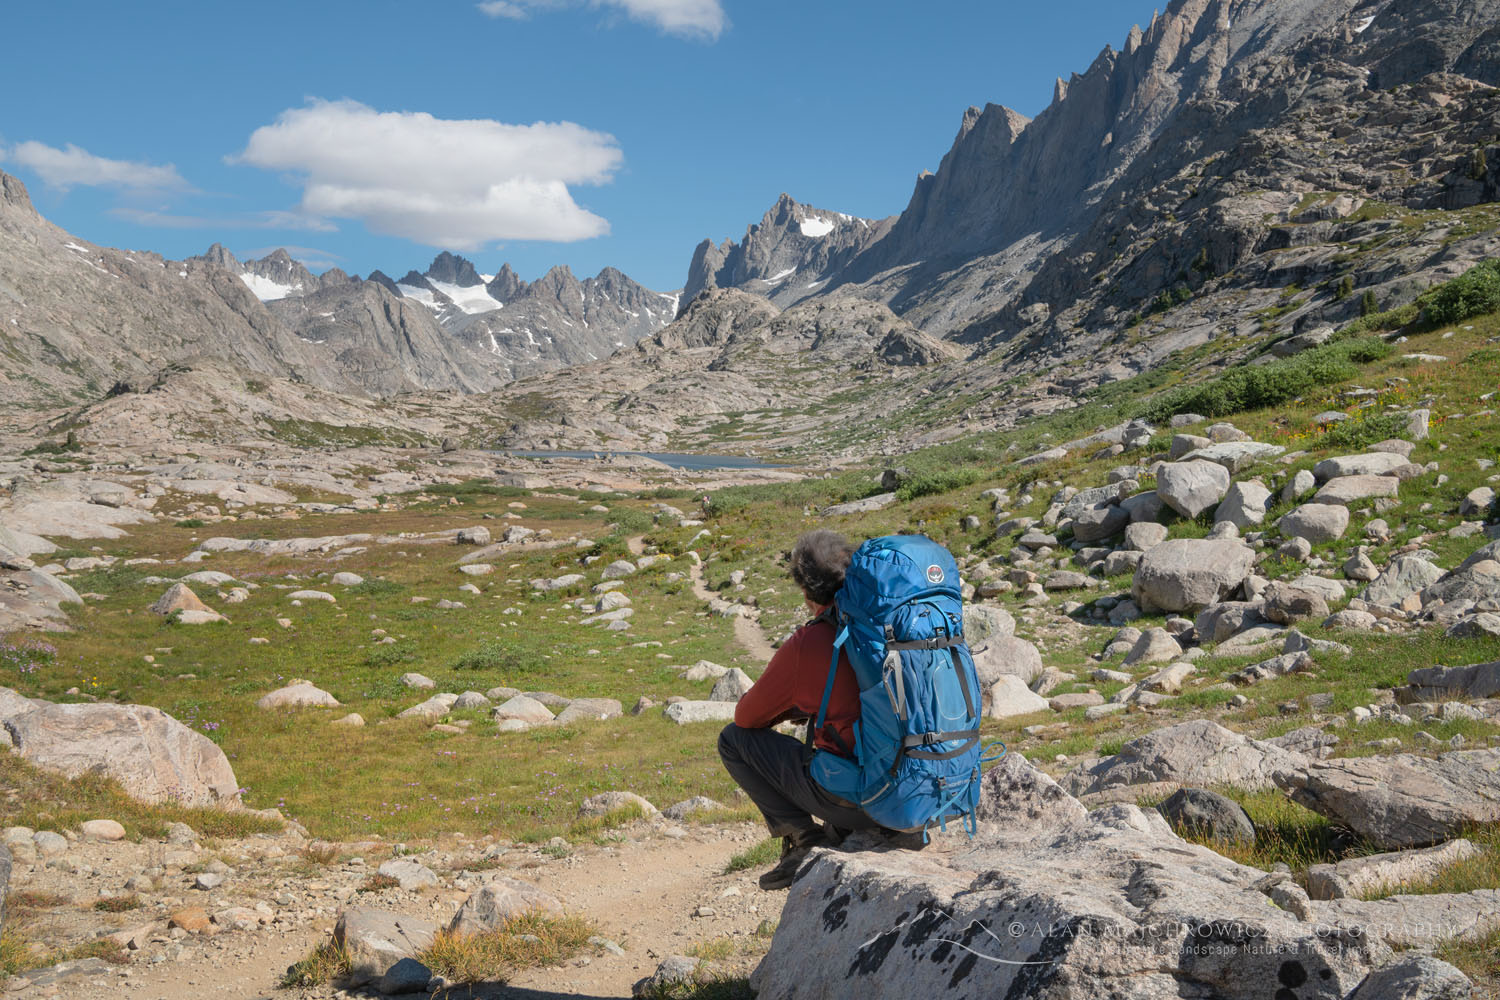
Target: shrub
column 391, row 654
column 1259, row 386
column 1475, row 292
column 1361, row 432
column 191, row 522
column 929, row 483
column 494, row 655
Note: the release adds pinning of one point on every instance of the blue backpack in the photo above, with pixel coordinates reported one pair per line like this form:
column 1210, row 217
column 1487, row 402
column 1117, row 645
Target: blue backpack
column 917, row 753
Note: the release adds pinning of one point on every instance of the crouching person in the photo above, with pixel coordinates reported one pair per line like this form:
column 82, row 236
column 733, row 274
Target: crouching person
column 772, row 767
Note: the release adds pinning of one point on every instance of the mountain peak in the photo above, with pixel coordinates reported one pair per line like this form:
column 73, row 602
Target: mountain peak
column 13, row 193
column 452, row 269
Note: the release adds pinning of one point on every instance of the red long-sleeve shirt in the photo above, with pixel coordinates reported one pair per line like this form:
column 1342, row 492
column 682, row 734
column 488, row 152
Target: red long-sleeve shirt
column 792, row 688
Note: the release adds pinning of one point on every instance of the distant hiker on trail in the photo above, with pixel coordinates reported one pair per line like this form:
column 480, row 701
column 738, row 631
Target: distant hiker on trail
column 772, row 767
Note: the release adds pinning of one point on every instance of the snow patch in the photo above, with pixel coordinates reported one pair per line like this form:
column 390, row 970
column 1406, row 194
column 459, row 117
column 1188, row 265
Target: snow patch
column 75, row 246
column 472, row 299
column 815, row 284
column 1361, row 26
column 265, row 289
column 494, row 347
column 780, row 276
column 421, row 295
column 815, row 227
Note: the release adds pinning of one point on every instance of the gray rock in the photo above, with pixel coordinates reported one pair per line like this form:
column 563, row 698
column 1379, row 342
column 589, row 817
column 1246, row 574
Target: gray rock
column 984, row 621
column 1191, row 487
column 1208, row 814
column 1378, row 463
column 1406, row 575
column 607, row 802
column 1105, row 906
column 1156, row 645
column 406, row 976
column 1196, row 753
column 1315, row 522
column 416, row 681
column 410, row 875
column 1245, row 505
column 478, row 535
column 1009, row 696
column 687, row 712
column 1218, row 622
column 1415, row 977
column 680, row 811
column 1472, row 682
column 154, row 757
column 1186, row 574
column 1298, row 486
column 523, row 708
column 1143, row 536
column 299, row 695
column 377, row 940
column 1477, row 502
column 1384, row 873
column 1006, row 655
column 1098, row 523
column 1286, row 603
column 590, row 710
column 733, row 686
column 674, row 972
column 1020, row 804
column 1184, row 444
column 1485, row 625
column 1235, row 456
column 1403, row 800
column 1349, row 489
column 1276, row 666
column 498, row 901
column 619, row 568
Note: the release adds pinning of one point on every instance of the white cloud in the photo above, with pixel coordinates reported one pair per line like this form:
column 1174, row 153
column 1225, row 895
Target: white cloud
column 260, row 220
column 455, row 184
column 701, row 19
column 73, row 166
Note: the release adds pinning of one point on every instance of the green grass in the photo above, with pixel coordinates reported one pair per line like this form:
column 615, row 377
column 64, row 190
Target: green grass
column 764, row 852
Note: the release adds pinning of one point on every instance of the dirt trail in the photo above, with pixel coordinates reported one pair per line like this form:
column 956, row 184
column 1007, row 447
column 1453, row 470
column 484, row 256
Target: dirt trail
column 747, row 630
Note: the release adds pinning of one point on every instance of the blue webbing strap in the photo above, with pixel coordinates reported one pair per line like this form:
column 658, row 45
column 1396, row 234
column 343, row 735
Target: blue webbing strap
column 838, row 643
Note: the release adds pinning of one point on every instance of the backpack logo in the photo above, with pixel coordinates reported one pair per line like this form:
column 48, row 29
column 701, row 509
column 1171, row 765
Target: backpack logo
column 934, row 574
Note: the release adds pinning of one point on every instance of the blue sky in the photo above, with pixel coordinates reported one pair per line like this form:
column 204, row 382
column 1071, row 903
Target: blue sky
column 539, row 132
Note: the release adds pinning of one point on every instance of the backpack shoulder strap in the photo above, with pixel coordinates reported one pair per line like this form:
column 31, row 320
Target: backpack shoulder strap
column 829, row 615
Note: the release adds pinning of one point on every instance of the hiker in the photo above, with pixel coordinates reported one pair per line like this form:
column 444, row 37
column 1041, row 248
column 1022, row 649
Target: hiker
column 772, row 767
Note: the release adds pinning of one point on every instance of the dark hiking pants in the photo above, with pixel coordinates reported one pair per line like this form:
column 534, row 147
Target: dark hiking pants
column 772, row 769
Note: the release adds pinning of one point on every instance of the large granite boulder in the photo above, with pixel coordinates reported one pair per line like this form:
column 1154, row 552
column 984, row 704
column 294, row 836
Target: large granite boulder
column 1376, row 463
column 1186, row 574
column 1245, row 505
column 1190, row 488
column 1197, row 753
column 1415, row 977
column 1315, row 522
column 1403, row 800
column 154, row 757
column 1112, row 904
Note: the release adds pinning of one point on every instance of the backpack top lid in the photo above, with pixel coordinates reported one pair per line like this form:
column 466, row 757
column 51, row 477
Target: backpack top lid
column 885, row 573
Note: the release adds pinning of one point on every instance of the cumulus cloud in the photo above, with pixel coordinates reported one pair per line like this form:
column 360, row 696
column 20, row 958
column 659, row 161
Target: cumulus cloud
column 444, row 183
column 73, row 166
column 701, row 19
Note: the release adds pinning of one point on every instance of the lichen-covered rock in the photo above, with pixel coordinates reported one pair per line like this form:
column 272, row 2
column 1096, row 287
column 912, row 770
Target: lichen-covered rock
column 1113, row 904
column 1197, row 753
column 1186, row 574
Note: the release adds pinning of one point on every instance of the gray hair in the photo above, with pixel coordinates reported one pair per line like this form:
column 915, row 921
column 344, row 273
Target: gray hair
column 818, row 562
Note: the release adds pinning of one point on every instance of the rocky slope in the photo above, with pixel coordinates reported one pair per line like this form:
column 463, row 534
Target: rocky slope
column 76, row 319
column 1239, row 171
